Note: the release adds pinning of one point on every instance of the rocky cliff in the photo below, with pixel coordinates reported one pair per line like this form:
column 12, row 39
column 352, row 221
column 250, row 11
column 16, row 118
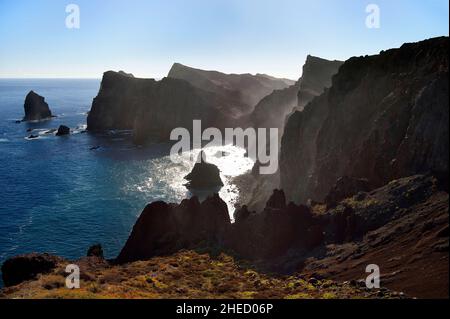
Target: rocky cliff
column 243, row 91
column 166, row 228
column 272, row 110
column 153, row 108
column 36, row 108
column 384, row 117
column 317, row 75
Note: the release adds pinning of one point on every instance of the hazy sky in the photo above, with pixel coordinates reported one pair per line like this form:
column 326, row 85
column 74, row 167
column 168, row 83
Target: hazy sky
column 145, row 37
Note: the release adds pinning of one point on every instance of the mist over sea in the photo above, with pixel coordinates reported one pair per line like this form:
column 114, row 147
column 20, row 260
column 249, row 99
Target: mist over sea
column 60, row 196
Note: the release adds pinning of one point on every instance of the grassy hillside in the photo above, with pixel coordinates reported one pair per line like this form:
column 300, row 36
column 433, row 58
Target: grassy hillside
column 187, row 274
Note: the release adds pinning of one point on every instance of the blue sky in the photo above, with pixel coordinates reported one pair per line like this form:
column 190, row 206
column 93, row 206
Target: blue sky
column 145, row 37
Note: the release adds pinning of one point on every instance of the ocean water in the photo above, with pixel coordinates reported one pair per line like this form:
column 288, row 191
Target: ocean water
column 60, row 196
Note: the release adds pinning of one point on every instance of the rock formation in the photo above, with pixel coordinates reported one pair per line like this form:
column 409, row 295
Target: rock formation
column 165, row 228
column 317, row 76
column 286, row 237
column 204, row 175
column 272, row 110
column 346, row 187
column 95, row 251
column 36, row 108
column 126, row 74
column 153, row 108
column 243, row 90
column 63, row 130
column 27, row 267
column 384, row 117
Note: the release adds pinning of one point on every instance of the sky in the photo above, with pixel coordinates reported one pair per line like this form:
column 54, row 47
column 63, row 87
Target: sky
column 145, row 37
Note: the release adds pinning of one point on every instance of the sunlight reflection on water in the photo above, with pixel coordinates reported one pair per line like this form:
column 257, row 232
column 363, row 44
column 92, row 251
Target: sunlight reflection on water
column 232, row 163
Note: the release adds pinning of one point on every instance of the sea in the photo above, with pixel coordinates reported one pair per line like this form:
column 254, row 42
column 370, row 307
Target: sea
column 60, row 195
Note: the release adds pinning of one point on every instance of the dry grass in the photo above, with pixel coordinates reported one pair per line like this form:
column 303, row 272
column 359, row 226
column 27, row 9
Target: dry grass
column 186, row 274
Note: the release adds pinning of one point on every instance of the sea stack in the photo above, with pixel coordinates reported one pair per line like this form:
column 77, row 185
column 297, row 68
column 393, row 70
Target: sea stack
column 36, row 108
column 204, row 175
column 63, row 130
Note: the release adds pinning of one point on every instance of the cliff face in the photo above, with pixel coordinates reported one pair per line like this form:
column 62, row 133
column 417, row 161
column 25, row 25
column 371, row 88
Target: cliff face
column 384, row 117
column 166, row 228
column 243, row 91
column 317, row 75
column 272, row 110
column 118, row 101
column 153, row 108
column 36, row 108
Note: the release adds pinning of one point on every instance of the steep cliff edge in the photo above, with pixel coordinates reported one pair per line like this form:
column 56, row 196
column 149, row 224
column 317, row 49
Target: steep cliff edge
column 243, row 91
column 384, row 117
column 272, row 110
column 317, row 76
column 153, row 108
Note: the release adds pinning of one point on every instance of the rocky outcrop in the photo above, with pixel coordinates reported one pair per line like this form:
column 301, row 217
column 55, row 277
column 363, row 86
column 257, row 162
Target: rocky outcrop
column 95, row 251
column 152, row 109
column 272, row 110
column 36, row 108
column 63, row 130
column 165, row 228
column 126, row 74
column 27, row 267
column 384, row 117
column 275, row 230
column 346, row 187
column 204, row 175
column 243, row 91
column 317, row 76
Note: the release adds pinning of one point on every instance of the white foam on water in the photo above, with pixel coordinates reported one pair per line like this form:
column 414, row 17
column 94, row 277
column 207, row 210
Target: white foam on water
column 233, row 164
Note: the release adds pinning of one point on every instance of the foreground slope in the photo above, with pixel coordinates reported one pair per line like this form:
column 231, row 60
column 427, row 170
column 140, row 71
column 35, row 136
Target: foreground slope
column 187, row 274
